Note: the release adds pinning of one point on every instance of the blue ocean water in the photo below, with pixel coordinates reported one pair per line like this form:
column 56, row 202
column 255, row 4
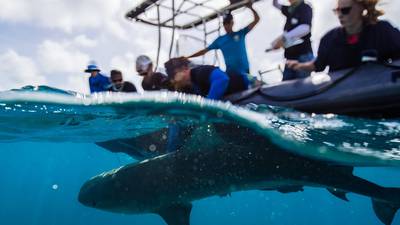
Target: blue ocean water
column 45, row 159
column 30, row 170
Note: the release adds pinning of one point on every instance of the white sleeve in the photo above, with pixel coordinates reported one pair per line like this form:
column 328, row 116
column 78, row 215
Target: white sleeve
column 298, row 32
column 277, row 4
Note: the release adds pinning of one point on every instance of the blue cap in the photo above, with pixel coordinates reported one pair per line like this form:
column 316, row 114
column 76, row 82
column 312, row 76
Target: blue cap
column 91, row 68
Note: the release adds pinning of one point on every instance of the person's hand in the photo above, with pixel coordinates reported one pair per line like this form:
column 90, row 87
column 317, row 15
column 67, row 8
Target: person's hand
column 278, row 43
column 293, row 64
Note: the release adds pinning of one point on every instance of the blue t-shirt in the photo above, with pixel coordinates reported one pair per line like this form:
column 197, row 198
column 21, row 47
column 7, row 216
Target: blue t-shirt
column 233, row 47
column 338, row 53
column 99, row 83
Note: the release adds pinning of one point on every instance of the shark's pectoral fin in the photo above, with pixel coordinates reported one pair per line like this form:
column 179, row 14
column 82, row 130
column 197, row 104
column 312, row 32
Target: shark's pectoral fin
column 384, row 211
column 178, row 214
column 339, row 194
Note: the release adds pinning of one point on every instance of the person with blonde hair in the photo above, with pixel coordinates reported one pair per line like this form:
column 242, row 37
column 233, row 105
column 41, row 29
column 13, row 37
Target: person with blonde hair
column 361, row 33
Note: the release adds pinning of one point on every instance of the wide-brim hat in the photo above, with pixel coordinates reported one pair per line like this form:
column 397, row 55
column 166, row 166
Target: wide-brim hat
column 92, row 68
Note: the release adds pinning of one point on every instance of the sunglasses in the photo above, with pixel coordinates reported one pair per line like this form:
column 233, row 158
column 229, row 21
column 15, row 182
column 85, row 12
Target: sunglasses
column 343, row 11
column 117, row 80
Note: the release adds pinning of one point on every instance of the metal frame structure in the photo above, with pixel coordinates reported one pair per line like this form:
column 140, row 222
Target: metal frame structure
column 138, row 14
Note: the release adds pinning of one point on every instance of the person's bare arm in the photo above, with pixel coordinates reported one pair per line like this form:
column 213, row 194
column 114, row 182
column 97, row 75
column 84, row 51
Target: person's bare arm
column 199, row 53
column 296, row 65
column 256, row 16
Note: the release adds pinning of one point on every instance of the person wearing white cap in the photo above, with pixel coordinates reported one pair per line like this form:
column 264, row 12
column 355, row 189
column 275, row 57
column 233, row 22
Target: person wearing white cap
column 97, row 81
column 152, row 81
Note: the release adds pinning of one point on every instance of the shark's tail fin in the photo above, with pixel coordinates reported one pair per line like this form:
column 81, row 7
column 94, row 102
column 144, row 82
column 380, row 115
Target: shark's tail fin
column 386, row 210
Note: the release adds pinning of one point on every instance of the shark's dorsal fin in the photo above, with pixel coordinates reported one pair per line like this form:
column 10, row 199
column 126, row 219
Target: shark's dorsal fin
column 178, row 214
column 384, row 211
column 339, row 194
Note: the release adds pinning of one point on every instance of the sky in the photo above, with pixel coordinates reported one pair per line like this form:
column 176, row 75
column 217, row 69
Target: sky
column 50, row 42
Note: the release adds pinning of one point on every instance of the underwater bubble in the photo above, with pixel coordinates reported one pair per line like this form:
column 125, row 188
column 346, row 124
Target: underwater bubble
column 54, row 187
column 153, row 148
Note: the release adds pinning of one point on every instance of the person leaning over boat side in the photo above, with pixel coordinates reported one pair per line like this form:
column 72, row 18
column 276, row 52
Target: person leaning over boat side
column 233, row 46
column 118, row 84
column 208, row 81
column 152, row 81
column 297, row 27
column 97, row 81
column 360, row 31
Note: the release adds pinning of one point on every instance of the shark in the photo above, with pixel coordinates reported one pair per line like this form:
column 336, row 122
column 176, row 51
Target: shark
column 242, row 160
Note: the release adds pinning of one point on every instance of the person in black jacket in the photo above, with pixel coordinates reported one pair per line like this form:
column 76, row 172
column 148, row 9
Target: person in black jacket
column 360, row 32
column 118, row 84
column 208, row 81
column 298, row 25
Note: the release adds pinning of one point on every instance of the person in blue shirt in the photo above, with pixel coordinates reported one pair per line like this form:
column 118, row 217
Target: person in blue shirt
column 97, row 81
column 208, row 81
column 297, row 29
column 233, row 45
column 360, row 32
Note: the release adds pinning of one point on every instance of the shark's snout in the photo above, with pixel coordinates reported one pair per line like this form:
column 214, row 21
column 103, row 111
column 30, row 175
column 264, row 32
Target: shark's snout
column 84, row 196
column 99, row 192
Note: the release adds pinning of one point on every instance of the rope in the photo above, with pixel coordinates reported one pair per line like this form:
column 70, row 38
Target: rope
column 205, row 39
column 173, row 28
column 159, row 38
column 216, row 57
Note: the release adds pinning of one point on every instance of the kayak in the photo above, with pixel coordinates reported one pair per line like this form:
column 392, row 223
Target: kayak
column 370, row 90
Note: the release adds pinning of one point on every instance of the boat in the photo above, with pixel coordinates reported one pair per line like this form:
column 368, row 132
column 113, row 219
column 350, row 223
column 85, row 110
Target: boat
column 371, row 90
